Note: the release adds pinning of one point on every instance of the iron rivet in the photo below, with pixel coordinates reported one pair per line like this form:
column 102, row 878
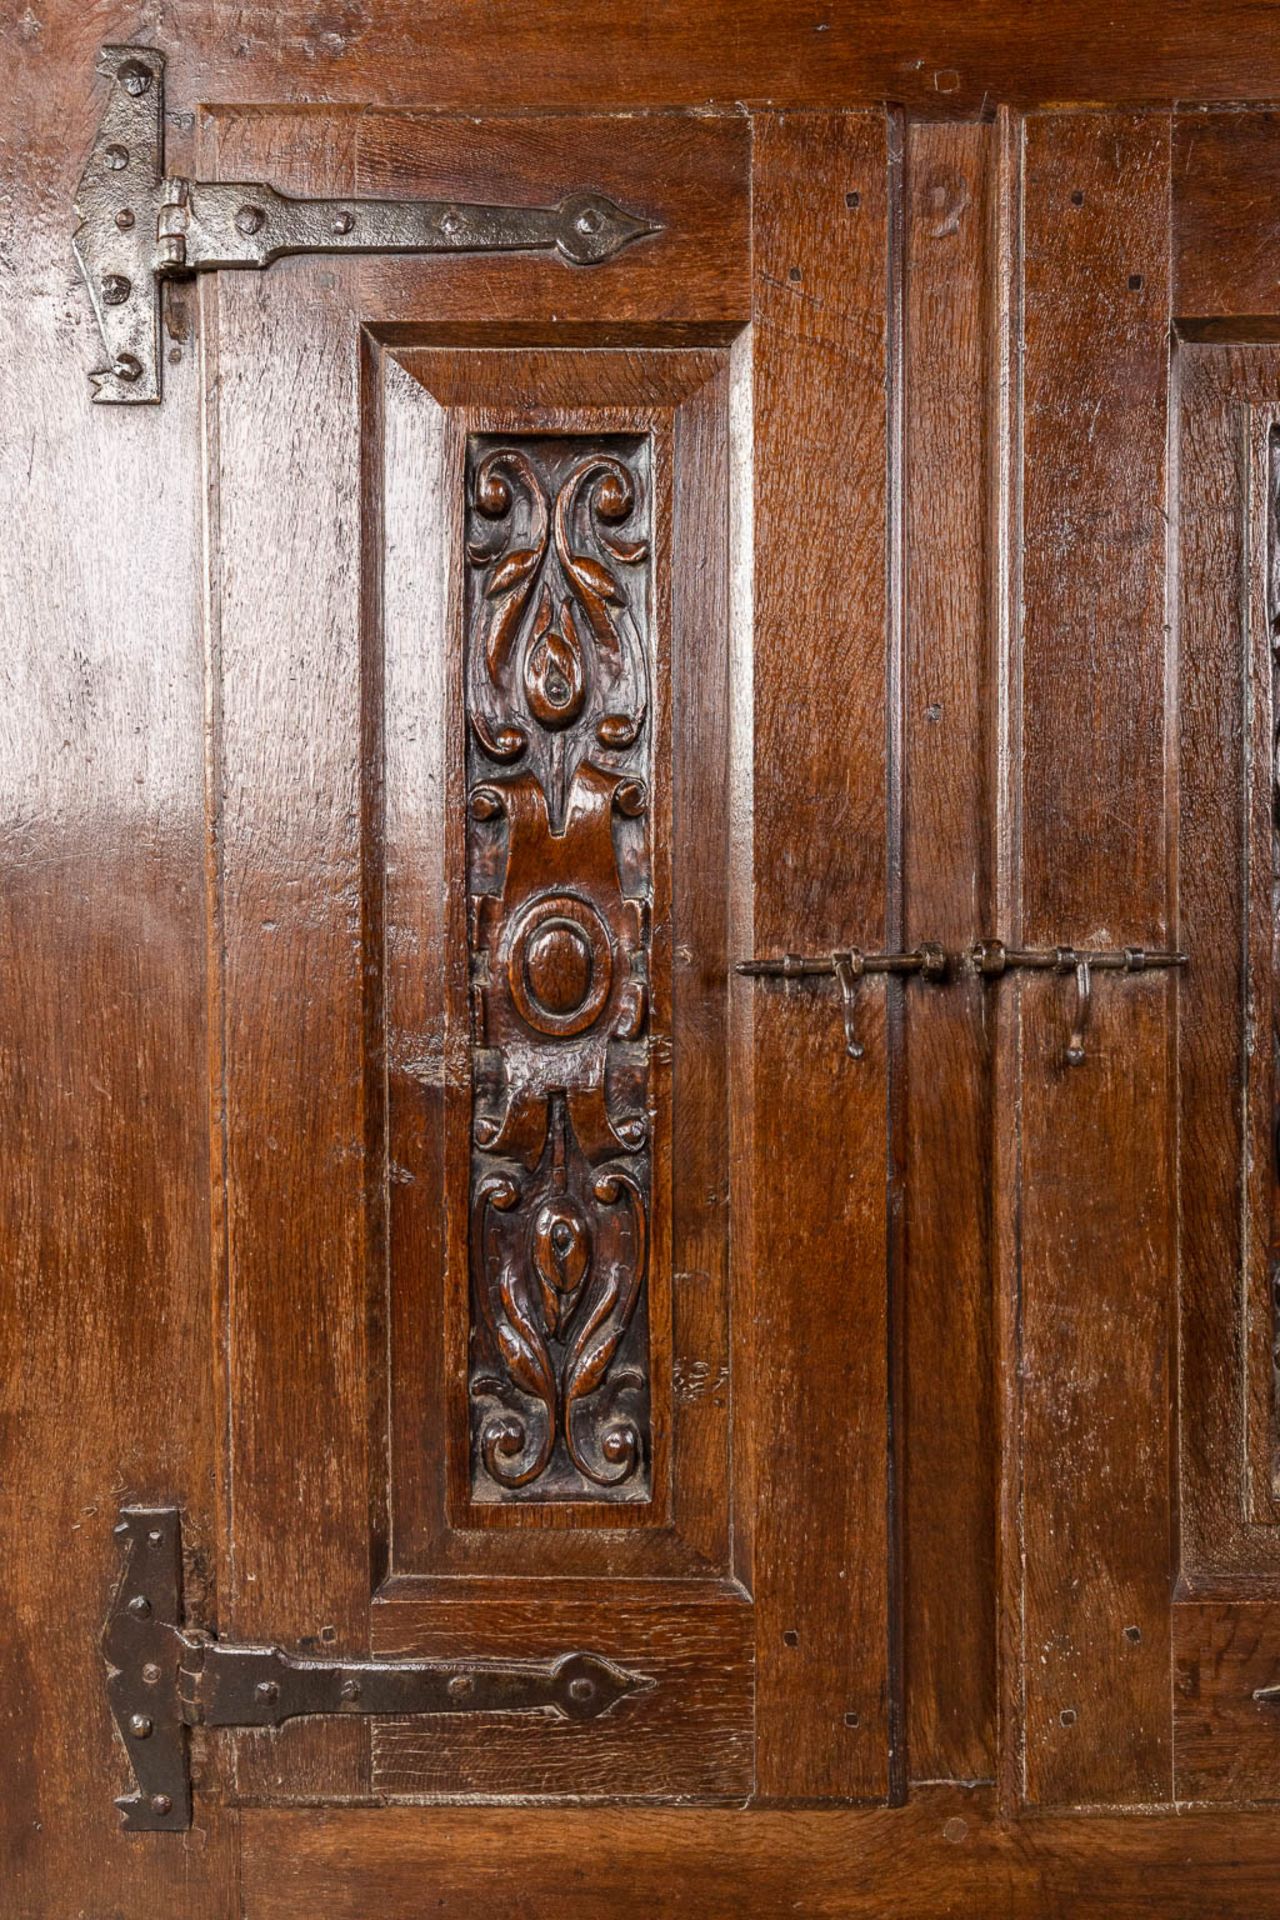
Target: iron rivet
column 116, row 157
column 155, row 1536
column 343, row 222
column 581, row 1688
column 588, row 221
column 349, row 1690
column 267, row 1690
column 115, row 291
column 124, row 219
column 140, row 1727
column 452, row 223
column 140, row 1607
column 161, row 1803
column 125, row 367
column 461, row 1685
column 134, row 77
column 151, row 1674
column 249, row 219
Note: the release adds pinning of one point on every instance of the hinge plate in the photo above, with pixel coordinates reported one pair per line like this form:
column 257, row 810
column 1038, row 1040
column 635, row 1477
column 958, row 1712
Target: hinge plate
column 138, row 228
column 164, row 1678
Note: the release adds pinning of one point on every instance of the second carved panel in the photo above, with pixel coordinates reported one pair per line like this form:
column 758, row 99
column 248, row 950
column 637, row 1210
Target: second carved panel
column 559, row 677
column 555, row 702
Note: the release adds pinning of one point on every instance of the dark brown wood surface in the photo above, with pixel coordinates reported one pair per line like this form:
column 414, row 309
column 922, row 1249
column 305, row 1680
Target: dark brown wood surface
column 944, row 1857
column 964, row 1409
column 1095, row 1350
column 949, row 1469
column 1226, row 1750
column 938, row 60
column 1230, row 1541
column 1226, row 170
column 824, row 813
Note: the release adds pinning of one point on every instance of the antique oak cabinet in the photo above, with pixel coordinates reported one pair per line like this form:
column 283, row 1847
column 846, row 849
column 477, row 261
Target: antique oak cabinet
column 638, row 1067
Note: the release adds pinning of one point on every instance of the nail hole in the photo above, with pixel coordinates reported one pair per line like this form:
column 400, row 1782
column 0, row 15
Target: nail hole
column 853, row 1720
column 1068, row 1716
column 853, row 200
column 791, row 1637
column 1135, row 282
column 795, row 274
column 1077, row 198
column 1133, row 1635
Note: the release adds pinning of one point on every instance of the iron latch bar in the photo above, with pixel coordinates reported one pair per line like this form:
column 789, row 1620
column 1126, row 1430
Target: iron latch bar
column 847, row 966
column 164, row 1679
column 991, row 959
column 139, row 227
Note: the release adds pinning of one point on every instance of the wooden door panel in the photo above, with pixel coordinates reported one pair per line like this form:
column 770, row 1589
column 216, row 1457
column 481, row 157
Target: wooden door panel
column 1227, row 1630
column 450, row 1514
column 826, row 812
column 356, row 743
column 472, row 661
column 1090, row 1351
column 950, row 1471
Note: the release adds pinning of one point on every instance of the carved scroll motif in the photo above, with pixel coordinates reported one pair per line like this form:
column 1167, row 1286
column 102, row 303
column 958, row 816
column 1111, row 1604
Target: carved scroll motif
column 558, row 774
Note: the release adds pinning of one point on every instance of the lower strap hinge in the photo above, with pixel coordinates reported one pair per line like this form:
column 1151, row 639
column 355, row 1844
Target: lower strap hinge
column 165, row 1679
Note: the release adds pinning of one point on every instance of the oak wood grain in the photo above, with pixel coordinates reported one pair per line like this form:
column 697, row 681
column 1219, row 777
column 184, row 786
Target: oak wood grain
column 949, row 1482
column 688, row 1736
column 1226, row 397
column 1226, row 1748
column 1226, row 174
column 1095, row 1363
column 818, row 1245
column 938, row 60
column 297, row 1062
column 945, row 1857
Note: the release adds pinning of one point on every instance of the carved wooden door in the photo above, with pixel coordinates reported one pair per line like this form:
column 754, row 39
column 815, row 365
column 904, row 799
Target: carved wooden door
column 639, row 1123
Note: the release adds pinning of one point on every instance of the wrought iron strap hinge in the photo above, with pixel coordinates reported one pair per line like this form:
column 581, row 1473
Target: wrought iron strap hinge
column 138, row 227
column 164, row 1679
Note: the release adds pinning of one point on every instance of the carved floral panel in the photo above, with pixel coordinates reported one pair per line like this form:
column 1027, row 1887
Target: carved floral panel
column 559, row 766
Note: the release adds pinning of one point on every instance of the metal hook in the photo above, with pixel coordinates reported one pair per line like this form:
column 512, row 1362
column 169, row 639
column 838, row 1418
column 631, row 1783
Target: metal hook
column 848, row 969
column 1084, row 1006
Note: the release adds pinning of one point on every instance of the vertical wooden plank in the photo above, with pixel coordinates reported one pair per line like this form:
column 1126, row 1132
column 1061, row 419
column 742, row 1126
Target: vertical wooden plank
column 105, row 1384
column 290, row 696
column 1098, row 1231
column 1226, row 407
column 949, row 1469
column 815, row 1173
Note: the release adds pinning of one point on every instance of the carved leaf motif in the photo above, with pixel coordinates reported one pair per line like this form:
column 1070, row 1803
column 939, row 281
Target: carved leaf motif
column 511, row 571
column 523, row 1347
column 593, row 578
